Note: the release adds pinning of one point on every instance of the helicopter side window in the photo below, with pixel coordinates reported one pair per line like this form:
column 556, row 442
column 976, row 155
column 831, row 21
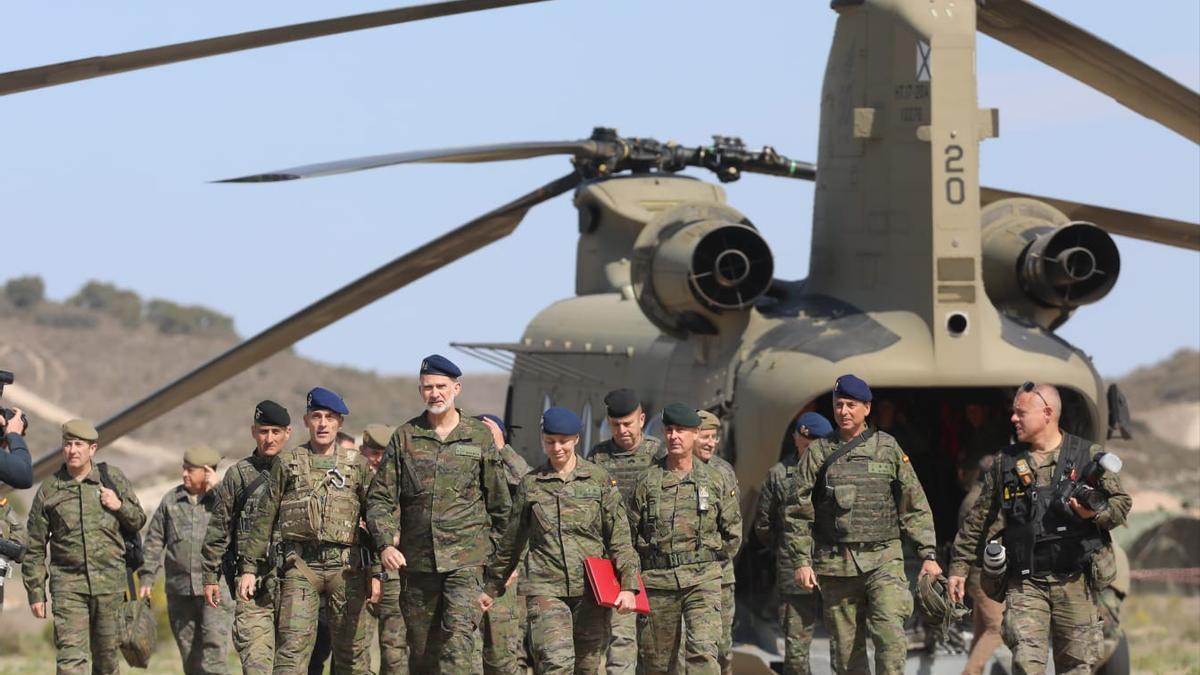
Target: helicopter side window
column 586, row 417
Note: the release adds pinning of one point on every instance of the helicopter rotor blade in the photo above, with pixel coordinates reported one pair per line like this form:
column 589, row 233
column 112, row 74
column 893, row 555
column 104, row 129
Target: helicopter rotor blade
column 1136, row 225
column 500, row 152
column 17, row 81
column 415, row 264
column 1064, row 46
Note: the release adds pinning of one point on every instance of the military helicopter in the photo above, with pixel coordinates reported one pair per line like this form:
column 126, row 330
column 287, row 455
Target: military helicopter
column 929, row 285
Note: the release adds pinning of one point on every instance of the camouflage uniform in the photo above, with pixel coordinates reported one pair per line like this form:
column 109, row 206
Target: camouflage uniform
column 364, row 565
column 254, row 619
column 728, row 588
column 1043, row 609
column 563, row 519
column 453, row 503
column 685, row 527
column 393, row 636
column 851, row 538
column 86, row 566
column 316, row 514
column 502, row 627
column 626, row 468
column 177, row 529
column 12, row 529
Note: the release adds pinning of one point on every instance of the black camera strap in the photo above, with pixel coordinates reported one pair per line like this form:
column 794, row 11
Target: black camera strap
column 135, row 556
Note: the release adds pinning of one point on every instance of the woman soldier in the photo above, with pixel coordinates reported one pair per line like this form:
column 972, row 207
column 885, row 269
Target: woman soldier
column 564, row 511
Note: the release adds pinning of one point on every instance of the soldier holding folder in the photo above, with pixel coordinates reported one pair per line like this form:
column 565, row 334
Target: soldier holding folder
column 566, row 510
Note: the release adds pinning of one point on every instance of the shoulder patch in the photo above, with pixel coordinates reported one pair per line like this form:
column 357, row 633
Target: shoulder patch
column 473, row 451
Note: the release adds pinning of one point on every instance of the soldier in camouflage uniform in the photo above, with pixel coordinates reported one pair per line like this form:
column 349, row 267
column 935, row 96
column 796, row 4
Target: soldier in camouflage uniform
column 443, row 471
column 685, row 525
column 12, row 529
column 705, row 451
column 315, row 498
column 864, row 494
column 177, row 530
column 235, row 501
column 797, row 606
column 626, row 456
column 81, row 521
column 1057, row 548
column 502, row 627
column 364, row 585
column 565, row 511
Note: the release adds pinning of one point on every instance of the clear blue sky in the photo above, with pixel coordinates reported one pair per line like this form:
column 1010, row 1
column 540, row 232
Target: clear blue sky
column 107, row 179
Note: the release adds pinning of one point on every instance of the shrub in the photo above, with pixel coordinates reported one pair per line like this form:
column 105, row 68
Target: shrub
column 25, row 292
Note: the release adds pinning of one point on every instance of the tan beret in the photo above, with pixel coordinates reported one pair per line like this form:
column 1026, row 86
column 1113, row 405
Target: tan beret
column 81, row 429
column 708, row 420
column 201, row 455
column 378, row 435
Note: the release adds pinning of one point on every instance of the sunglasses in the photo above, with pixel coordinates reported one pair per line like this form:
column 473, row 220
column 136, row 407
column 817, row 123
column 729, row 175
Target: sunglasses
column 1030, row 386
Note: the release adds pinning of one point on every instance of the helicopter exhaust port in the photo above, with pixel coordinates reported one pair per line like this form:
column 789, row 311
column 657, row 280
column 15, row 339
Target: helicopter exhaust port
column 1039, row 266
column 694, row 265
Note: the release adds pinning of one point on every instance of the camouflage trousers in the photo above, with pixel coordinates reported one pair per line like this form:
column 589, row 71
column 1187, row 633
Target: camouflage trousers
column 254, row 630
column 622, row 656
column 567, row 635
column 304, row 583
column 1054, row 610
column 987, row 616
column 201, row 632
column 393, row 637
column 660, row 631
column 797, row 617
column 441, row 613
column 87, row 632
column 502, row 637
column 725, row 646
column 882, row 597
column 358, row 589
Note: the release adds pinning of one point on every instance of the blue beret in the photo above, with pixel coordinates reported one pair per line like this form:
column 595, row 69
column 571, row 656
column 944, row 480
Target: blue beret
column 321, row 398
column 681, row 415
column 495, row 418
column 436, row 364
column 849, row 386
column 813, row 425
column 560, row 421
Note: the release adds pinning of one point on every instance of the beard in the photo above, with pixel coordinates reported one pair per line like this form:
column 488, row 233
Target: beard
column 438, row 408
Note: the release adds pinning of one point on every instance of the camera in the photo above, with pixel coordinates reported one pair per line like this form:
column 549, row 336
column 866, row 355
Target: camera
column 6, row 414
column 11, row 554
column 1087, row 489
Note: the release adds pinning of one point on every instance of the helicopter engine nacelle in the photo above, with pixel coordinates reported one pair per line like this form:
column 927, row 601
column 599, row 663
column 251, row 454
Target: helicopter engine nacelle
column 1039, row 265
column 698, row 267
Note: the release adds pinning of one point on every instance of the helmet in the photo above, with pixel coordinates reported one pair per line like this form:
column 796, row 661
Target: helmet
column 932, row 599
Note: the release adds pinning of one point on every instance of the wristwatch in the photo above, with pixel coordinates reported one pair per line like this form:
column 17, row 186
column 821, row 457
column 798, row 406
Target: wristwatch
column 930, row 557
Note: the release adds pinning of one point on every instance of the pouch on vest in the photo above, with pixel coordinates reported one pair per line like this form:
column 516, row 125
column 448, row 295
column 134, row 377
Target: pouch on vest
column 1102, row 571
column 843, row 498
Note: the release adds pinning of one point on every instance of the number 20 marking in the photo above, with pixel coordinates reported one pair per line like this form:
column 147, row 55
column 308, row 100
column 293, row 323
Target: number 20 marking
column 955, row 187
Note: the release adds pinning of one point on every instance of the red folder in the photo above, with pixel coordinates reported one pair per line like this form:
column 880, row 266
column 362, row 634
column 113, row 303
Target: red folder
column 606, row 586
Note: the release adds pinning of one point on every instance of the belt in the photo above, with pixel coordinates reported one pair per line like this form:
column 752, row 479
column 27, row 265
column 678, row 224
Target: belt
column 666, row 560
column 313, row 551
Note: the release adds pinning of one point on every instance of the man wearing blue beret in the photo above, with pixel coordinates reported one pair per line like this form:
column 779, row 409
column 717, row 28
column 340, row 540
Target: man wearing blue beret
column 856, row 493
column 316, row 494
column 444, row 473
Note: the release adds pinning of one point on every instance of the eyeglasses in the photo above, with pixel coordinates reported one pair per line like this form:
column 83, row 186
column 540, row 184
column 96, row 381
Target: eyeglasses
column 1030, row 386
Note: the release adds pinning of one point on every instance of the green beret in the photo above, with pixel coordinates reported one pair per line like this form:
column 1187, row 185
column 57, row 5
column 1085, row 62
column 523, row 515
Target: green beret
column 201, row 455
column 708, row 420
column 81, row 429
column 680, row 415
column 378, row 435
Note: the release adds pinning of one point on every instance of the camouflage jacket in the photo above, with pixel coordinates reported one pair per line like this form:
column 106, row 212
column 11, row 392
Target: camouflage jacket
column 626, row 467
column 731, row 486
column 562, row 520
column 225, row 526
column 768, row 519
column 290, row 484
column 677, row 518
column 84, row 538
column 804, row 546
column 979, row 525
column 452, row 495
column 515, row 467
column 11, row 527
column 177, row 529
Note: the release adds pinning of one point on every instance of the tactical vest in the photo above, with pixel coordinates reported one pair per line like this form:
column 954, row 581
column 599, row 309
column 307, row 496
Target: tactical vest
column 708, row 498
column 859, row 504
column 626, row 468
column 320, row 497
column 1041, row 538
column 249, row 500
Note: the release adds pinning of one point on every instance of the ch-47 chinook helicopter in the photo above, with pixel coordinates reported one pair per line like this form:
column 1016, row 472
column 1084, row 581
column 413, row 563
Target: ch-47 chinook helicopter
column 932, row 287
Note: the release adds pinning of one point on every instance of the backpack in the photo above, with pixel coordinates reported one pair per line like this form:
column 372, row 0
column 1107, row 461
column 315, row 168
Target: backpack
column 135, row 555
